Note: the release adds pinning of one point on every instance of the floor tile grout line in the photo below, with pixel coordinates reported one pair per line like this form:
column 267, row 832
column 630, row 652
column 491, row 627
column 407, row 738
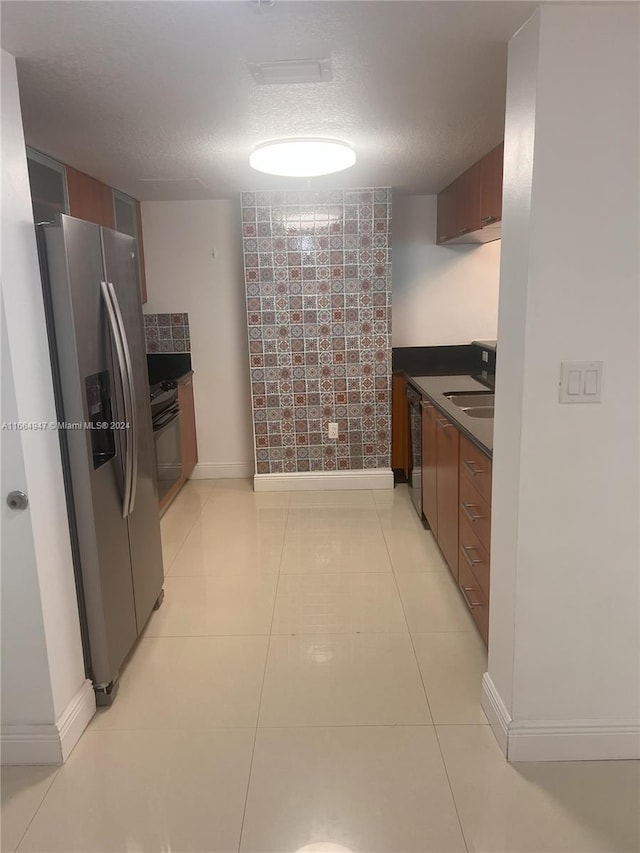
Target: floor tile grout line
column 39, row 806
column 276, row 634
column 204, row 730
column 413, row 648
column 424, row 688
column 453, row 796
column 264, row 676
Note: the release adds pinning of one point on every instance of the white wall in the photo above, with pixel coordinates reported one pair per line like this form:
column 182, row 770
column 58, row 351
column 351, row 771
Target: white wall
column 182, row 275
column 46, row 700
column 564, row 651
column 441, row 294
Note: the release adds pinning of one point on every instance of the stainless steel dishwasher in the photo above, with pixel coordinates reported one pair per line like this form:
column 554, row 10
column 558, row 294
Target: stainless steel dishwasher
column 414, row 401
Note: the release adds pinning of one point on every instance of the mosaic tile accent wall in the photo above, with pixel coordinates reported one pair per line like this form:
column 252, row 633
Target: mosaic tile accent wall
column 318, row 284
column 167, row 333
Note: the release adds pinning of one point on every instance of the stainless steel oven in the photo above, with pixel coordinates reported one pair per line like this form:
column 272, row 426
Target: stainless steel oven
column 165, row 414
column 414, row 402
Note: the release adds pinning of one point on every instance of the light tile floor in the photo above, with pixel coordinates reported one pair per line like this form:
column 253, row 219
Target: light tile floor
column 311, row 684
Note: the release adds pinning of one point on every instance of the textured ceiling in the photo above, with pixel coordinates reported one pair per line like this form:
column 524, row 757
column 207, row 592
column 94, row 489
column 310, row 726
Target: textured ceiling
column 145, row 90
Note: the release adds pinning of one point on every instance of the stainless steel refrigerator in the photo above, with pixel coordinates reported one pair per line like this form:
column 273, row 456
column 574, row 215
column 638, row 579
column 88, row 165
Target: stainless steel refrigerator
column 96, row 333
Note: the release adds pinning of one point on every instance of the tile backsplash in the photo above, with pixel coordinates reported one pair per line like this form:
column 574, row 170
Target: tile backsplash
column 167, row 332
column 318, row 286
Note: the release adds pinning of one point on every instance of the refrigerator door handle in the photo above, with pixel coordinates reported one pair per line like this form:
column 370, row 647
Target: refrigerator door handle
column 126, row 395
column 132, row 431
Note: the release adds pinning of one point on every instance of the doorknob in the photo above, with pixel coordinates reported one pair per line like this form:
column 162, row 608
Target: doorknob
column 17, row 500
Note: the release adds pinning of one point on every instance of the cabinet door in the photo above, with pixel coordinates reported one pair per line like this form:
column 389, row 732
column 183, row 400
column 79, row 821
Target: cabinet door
column 399, row 423
column 446, row 216
column 468, row 201
column 476, row 598
column 491, row 186
column 477, row 511
column 126, row 214
column 447, row 449
column 48, row 183
column 430, row 466
column 89, row 199
column 188, row 440
column 476, row 467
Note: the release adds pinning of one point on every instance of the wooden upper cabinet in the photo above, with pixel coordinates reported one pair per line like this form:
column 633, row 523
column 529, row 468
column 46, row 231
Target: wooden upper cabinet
column 446, row 220
column 491, row 186
column 468, row 201
column 470, row 209
column 89, row 199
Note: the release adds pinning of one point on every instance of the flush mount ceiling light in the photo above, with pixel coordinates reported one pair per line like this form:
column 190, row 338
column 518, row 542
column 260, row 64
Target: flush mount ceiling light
column 302, row 158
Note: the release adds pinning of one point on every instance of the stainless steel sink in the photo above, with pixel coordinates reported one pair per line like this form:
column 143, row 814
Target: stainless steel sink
column 472, row 399
column 480, row 412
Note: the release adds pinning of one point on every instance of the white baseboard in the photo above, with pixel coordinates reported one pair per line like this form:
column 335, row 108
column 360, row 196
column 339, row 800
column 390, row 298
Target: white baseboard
column 496, row 711
column 222, row 470
column 49, row 744
column 558, row 740
column 574, row 740
column 317, row 481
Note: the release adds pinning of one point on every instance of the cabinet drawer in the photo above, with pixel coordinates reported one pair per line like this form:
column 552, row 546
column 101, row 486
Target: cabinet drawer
column 474, row 553
column 475, row 509
column 476, row 467
column 477, row 600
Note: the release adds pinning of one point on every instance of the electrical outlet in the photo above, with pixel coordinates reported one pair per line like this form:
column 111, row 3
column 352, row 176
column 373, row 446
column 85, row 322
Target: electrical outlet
column 333, row 430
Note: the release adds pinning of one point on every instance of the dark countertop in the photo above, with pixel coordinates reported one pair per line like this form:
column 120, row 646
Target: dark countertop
column 490, row 345
column 477, row 430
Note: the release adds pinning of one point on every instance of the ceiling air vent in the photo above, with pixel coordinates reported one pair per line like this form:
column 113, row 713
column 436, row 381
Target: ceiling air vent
column 175, row 185
column 291, row 71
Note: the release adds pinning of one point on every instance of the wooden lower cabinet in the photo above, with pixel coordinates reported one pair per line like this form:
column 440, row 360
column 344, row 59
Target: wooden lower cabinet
column 188, row 441
column 474, row 553
column 475, row 510
column 477, row 600
column 430, row 465
column 475, row 532
column 476, row 467
column 456, row 502
column 447, row 453
column 399, row 424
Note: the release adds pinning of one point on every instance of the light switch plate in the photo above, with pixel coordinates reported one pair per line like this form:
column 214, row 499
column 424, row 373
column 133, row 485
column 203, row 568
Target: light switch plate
column 581, row 382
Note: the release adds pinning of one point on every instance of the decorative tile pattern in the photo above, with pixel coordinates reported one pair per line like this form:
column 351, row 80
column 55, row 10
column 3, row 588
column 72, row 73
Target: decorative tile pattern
column 167, row 332
column 318, row 285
